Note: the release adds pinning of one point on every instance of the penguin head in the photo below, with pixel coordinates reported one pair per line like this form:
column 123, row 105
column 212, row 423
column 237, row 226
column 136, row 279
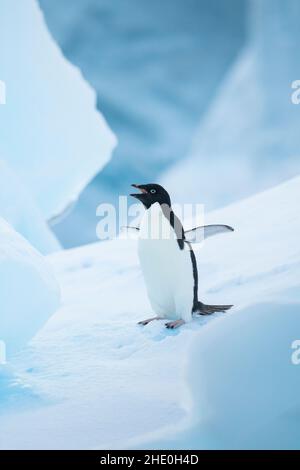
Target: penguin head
column 150, row 194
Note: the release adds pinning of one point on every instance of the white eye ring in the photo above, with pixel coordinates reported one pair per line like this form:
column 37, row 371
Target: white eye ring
column 152, row 191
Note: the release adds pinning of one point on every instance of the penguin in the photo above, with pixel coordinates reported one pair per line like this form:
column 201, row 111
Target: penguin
column 168, row 261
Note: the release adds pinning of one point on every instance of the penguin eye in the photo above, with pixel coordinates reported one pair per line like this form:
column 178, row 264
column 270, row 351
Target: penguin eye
column 152, row 191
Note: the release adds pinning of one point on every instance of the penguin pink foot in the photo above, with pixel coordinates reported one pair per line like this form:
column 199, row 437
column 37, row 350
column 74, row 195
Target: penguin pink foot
column 145, row 322
column 175, row 324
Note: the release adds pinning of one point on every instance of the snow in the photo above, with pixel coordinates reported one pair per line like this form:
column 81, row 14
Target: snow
column 29, row 292
column 53, row 137
column 95, row 379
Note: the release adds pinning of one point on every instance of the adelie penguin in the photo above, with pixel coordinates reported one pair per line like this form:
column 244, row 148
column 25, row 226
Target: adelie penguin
column 168, row 261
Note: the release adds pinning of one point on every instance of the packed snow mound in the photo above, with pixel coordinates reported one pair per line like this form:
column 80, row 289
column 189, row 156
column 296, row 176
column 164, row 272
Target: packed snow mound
column 20, row 210
column 52, row 135
column 29, row 292
column 248, row 140
column 244, row 384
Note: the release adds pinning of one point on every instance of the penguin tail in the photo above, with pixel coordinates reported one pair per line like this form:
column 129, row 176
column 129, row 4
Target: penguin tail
column 203, row 309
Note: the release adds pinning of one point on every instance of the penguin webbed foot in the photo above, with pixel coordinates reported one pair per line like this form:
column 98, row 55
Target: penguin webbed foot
column 203, row 309
column 171, row 325
column 148, row 320
column 144, row 322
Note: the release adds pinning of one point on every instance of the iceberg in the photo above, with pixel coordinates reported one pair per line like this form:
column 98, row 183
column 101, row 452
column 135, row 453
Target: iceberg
column 248, row 140
column 52, row 136
column 20, row 210
column 28, row 290
column 155, row 66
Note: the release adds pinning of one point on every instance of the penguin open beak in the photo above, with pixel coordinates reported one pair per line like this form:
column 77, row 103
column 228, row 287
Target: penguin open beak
column 141, row 189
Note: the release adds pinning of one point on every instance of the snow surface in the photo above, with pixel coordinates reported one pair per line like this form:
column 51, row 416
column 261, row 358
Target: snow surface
column 92, row 378
column 52, row 136
column 29, row 292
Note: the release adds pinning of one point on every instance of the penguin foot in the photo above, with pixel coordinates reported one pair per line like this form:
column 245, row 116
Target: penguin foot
column 174, row 324
column 203, row 309
column 145, row 322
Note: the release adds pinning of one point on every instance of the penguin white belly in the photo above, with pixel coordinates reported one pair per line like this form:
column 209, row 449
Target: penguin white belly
column 167, row 270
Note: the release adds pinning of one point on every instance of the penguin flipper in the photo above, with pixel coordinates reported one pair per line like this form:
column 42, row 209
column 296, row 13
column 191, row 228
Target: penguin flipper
column 203, row 309
column 198, row 234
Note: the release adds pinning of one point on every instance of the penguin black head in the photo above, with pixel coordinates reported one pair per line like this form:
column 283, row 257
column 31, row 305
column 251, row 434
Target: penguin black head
column 150, row 194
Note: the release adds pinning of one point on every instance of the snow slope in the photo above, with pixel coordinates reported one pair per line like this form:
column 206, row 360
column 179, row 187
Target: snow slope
column 99, row 380
column 52, row 136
